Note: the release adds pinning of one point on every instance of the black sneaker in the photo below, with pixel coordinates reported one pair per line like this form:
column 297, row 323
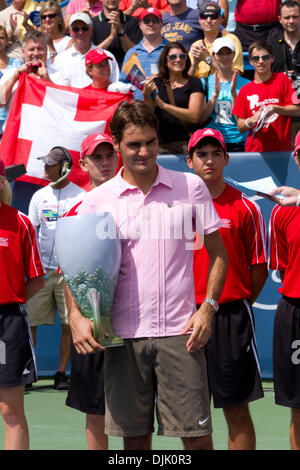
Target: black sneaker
column 61, row 381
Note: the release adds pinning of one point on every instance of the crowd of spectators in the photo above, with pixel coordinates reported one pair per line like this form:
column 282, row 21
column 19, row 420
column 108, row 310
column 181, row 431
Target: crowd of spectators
column 141, row 29
column 191, row 63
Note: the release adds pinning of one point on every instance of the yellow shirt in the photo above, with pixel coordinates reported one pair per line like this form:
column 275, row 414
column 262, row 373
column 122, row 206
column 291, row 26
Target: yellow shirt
column 204, row 70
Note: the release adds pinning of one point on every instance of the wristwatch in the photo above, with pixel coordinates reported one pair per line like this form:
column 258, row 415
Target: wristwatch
column 213, row 303
column 208, row 60
column 120, row 35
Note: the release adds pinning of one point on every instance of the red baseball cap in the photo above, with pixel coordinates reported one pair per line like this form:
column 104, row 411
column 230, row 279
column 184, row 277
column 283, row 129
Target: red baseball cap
column 150, row 11
column 2, row 168
column 297, row 142
column 95, row 56
column 202, row 133
column 92, row 141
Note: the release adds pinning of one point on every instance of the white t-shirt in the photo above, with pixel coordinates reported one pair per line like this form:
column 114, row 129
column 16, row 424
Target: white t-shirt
column 70, row 65
column 46, row 205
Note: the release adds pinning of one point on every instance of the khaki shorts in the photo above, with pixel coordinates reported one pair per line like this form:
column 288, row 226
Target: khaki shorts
column 41, row 308
column 156, row 371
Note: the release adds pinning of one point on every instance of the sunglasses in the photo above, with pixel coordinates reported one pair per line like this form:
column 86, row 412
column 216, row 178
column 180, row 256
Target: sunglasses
column 172, row 57
column 49, row 15
column 151, row 20
column 75, row 29
column 212, row 16
column 256, row 58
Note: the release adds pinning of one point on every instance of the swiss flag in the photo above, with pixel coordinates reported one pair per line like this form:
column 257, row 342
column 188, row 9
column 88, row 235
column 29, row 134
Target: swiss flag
column 44, row 115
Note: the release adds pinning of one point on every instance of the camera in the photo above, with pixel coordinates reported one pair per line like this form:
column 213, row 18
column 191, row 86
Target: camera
column 33, row 68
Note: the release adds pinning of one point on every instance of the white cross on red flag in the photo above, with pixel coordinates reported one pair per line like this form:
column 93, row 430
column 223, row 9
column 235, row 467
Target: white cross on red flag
column 44, row 115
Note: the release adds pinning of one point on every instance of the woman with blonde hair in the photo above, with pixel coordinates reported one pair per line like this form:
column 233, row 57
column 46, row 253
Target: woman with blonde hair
column 53, row 25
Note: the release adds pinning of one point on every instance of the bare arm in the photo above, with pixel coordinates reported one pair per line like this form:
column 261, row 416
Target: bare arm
column 201, row 320
column 34, row 285
column 290, row 195
column 259, row 274
column 190, row 114
column 81, row 328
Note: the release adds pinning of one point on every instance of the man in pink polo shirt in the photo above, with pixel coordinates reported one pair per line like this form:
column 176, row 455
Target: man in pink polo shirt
column 156, row 211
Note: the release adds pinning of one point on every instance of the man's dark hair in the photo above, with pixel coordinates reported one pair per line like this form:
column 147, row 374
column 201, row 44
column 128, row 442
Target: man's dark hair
column 289, row 4
column 260, row 44
column 137, row 113
column 35, row 36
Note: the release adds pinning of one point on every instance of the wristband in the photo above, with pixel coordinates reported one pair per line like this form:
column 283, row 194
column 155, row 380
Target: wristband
column 120, row 35
column 298, row 200
column 247, row 125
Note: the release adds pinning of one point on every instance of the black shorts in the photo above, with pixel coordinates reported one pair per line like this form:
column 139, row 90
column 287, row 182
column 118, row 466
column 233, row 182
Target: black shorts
column 86, row 392
column 17, row 357
column 286, row 353
column 232, row 360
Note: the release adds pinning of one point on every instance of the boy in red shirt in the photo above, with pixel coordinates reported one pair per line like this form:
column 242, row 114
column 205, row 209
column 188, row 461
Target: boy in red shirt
column 21, row 276
column 264, row 106
column 233, row 368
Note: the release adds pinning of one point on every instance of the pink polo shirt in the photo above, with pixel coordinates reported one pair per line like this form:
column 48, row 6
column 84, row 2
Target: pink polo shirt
column 155, row 296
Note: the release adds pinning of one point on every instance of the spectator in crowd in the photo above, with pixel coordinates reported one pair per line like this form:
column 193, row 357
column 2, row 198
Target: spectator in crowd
column 52, row 24
column 176, row 98
column 291, row 196
column 264, row 106
column 46, row 206
column 136, row 7
column 137, row 375
column 86, row 393
column 233, row 368
column 201, row 51
column 223, row 4
column 6, row 63
column 115, row 31
column 15, row 19
column 22, row 275
column 221, row 90
column 149, row 48
column 35, row 64
column 284, row 257
column 71, row 63
column 286, row 44
column 256, row 19
column 90, row 7
column 286, row 47
column 181, row 24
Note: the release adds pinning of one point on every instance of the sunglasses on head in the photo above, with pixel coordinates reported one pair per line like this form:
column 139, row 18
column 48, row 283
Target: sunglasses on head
column 172, row 57
column 256, row 58
column 75, row 29
column 212, row 16
column 49, row 15
column 151, row 20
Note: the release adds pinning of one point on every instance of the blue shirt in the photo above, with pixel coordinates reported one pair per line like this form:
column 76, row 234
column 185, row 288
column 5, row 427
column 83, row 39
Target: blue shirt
column 221, row 118
column 146, row 59
column 184, row 28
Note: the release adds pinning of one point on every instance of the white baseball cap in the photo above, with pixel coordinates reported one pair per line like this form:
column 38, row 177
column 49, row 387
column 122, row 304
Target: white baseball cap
column 79, row 16
column 223, row 42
